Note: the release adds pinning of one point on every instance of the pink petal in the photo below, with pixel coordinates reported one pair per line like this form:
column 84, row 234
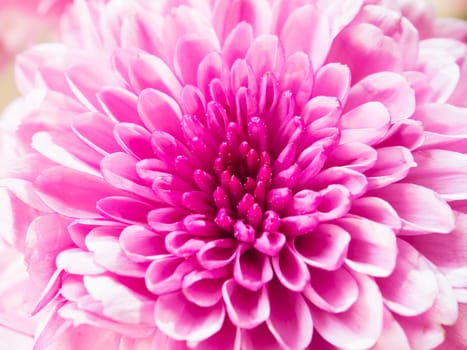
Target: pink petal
column 357, row 127
column 334, row 291
column 372, row 249
column 42, row 248
column 134, row 139
column 407, row 133
column 392, row 165
column 119, row 170
column 325, row 247
column 290, row 269
column 104, row 243
column 360, row 326
column 411, row 288
column 290, row 319
column 95, row 130
column 378, row 210
column 81, row 194
column 124, row 209
column 78, row 262
column 228, row 338
column 165, row 274
column 204, row 287
column 217, row 253
column 353, row 155
column 252, row 269
column 307, row 30
column 118, row 302
column 227, row 15
column 119, row 104
column 333, row 79
column 237, row 42
column 147, row 71
column 442, row 171
column 389, row 88
column 159, row 111
column 183, row 320
column 141, row 244
column 265, row 55
column 246, row 309
column 392, row 336
column 420, row 209
column 259, row 337
column 438, row 131
column 189, row 52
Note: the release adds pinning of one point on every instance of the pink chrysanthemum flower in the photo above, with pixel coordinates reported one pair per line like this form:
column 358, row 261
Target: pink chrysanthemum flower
column 242, row 175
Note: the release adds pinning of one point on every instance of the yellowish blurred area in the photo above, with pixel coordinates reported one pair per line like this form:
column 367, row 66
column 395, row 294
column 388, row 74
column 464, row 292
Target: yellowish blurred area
column 7, row 86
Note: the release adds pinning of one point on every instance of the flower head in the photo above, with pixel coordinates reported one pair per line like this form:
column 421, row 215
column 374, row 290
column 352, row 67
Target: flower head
column 242, row 175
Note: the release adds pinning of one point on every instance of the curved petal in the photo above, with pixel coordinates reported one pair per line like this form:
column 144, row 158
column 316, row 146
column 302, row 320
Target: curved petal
column 332, row 291
column 183, row 320
column 290, row 319
column 247, row 309
column 412, row 287
column 421, row 209
column 372, row 249
column 360, row 326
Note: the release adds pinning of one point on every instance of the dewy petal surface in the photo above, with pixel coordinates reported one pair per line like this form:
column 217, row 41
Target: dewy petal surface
column 245, row 174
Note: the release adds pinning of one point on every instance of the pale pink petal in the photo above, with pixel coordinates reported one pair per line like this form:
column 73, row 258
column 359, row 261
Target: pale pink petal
column 412, row 287
column 420, row 209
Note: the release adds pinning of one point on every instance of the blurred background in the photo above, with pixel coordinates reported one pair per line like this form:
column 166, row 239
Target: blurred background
column 18, row 33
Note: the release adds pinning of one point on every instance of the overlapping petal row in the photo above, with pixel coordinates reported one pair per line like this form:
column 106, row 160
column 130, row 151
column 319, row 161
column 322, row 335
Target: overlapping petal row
column 243, row 175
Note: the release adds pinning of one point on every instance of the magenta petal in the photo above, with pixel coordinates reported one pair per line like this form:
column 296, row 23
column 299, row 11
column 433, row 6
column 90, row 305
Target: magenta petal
column 183, row 244
column 259, row 338
column 165, row 274
column 134, row 139
column 325, row 247
column 119, row 170
column 217, row 253
column 81, row 194
column 252, row 269
column 183, row 320
column 361, row 325
column 246, row 309
column 204, row 287
column 141, row 244
column 290, row 320
column 228, row 338
column 372, row 249
column 124, row 209
column 412, row 287
column 237, row 42
column 290, row 269
column 420, row 209
column 332, row 291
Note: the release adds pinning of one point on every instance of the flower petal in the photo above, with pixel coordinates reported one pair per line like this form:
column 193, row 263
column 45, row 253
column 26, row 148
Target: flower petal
column 183, row 320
